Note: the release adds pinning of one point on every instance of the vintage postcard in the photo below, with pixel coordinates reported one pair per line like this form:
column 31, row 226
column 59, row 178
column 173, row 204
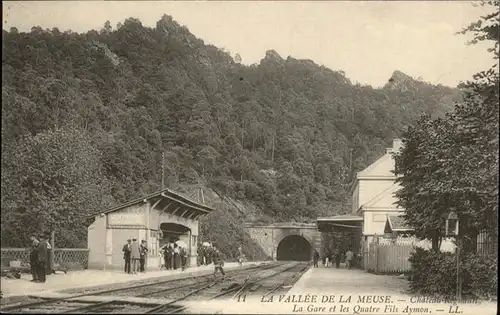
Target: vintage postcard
column 250, row 157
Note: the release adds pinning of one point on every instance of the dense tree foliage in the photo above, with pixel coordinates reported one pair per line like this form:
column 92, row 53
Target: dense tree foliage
column 85, row 118
column 451, row 163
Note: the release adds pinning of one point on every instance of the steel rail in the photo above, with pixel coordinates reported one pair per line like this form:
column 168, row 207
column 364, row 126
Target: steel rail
column 103, row 292
column 98, row 305
column 159, row 307
column 252, row 283
column 274, row 289
column 114, row 301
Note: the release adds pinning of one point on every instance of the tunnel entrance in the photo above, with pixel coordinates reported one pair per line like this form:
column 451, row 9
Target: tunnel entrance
column 294, row 247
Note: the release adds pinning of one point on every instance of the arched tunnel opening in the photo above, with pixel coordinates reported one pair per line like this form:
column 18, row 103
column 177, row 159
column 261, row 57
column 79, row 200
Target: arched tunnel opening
column 294, row 248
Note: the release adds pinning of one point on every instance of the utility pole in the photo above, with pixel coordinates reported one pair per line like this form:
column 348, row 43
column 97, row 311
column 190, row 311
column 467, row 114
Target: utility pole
column 350, row 158
column 459, row 278
column 162, row 170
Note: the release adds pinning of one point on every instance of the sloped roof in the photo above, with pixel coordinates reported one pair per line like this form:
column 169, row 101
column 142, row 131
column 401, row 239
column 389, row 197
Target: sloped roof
column 384, row 199
column 383, row 167
column 282, row 225
column 397, row 223
column 341, row 222
column 164, row 196
column 341, row 218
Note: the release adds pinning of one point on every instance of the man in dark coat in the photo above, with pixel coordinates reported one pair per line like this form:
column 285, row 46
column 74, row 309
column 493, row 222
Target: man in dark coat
column 208, row 254
column 315, row 258
column 126, row 255
column 143, row 251
column 34, row 258
column 183, row 255
column 42, row 255
column 218, row 262
column 338, row 258
column 167, row 255
column 135, row 255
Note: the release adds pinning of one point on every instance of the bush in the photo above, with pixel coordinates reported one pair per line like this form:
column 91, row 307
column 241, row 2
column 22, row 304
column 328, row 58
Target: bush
column 482, row 273
column 435, row 273
column 224, row 228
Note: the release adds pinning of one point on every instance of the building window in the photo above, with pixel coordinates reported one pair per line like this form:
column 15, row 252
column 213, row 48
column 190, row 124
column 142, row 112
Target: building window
column 194, row 240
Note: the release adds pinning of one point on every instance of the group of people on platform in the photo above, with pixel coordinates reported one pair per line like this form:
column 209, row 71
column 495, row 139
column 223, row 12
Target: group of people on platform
column 349, row 257
column 205, row 253
column 207, row 250
column 135, row 256
column 174, row 256
column 40, row 258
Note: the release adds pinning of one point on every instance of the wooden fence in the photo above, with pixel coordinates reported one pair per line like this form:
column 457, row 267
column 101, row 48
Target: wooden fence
column 388, row 258
column 69, row 258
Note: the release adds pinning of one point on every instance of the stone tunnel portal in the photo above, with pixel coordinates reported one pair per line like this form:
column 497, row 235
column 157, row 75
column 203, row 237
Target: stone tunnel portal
column 294, row 248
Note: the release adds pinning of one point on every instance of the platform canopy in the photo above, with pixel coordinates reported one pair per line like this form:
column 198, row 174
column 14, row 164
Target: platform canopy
column 344, row 222
column 282, row 225
column 167, row 201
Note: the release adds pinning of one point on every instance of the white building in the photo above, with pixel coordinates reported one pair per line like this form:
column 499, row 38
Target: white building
column 374, row 207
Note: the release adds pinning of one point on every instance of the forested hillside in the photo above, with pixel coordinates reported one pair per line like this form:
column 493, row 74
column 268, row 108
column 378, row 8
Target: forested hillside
column 85, row 118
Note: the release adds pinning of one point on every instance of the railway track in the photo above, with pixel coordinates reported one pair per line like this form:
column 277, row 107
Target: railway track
column 213, row 291
column 266, row 285
column 175, row 290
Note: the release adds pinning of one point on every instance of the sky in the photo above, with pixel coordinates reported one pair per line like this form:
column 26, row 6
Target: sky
column 366, row 40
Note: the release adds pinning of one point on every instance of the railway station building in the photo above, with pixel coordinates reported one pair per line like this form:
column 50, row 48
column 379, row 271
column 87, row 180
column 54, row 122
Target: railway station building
column 373, row 205
column 157, row 218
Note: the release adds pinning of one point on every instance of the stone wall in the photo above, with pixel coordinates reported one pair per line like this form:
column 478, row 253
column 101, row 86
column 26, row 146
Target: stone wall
column 269, row 237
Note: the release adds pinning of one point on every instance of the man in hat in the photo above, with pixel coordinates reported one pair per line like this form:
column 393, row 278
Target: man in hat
column 167, row 255
column 49, row 267
column 143, row 251
column 34, row 257
column 240, row 255
column 349, row 258
column 42, row 259
column 315, row 258
column 218, row 262
column 183, row 255
column 126, row 255
column 135, row 255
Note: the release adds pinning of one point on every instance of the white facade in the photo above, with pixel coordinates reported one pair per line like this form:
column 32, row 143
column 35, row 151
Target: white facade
column 373, row 195
column 374, row 198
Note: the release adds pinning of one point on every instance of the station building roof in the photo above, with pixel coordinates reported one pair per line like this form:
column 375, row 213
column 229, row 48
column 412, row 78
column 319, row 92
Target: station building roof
column 397, row 224
column 166, row 200
column 282, row 225
column 345, row 221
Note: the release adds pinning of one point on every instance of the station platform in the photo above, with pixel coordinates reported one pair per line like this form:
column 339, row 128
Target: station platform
column 90, row 278
column 344, row 281
column 371, row 293
column 342, row 291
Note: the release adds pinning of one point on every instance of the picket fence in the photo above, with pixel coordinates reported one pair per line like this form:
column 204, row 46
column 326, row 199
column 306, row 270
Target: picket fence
column 388, row 258
column 69, row 258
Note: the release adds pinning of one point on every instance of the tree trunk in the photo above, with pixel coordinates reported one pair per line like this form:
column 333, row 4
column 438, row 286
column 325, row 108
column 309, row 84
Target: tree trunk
column 272, row 152
column 435, row 242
